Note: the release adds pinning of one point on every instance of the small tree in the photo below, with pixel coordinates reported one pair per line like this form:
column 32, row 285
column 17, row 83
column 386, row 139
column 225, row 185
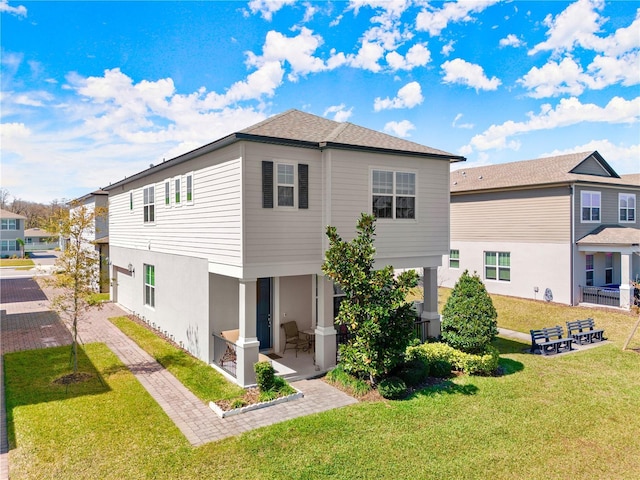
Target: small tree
column 76, row 269
column 469, row 317
column 20, row 243
column 378, row 319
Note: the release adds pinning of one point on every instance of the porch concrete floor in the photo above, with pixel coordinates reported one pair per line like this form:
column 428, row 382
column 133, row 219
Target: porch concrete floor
column 294, row 367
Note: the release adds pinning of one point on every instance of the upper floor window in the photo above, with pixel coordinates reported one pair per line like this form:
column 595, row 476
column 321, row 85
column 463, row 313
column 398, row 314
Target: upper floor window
column 590, row 206
column 189, row 186
column 454, row 259
column 149, row 205
column 131, row 201
column 286, row 185
column 627, row 207
column 167, row 193
column 497, row 266
column 393, row 194
column 177, row 190
column 9, row 224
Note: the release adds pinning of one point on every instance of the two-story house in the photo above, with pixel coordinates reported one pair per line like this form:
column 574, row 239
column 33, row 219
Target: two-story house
column 563, row 228
column 231, row 236
column 11, row 231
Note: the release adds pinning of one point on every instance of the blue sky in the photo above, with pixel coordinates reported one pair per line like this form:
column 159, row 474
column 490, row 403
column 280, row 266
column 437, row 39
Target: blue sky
column 96, row 91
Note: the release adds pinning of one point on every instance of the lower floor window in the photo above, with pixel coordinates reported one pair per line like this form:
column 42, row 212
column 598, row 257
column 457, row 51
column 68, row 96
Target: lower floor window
column 497, row 266
column 589, row 270
column 9, row 245
column 454, row 259
column 150, row 285
column 608, row 269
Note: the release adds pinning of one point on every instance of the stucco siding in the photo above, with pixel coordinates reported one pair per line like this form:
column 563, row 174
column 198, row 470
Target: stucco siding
column 541, row 265
column 208, row 227
column 181, row 294
column 541, row 215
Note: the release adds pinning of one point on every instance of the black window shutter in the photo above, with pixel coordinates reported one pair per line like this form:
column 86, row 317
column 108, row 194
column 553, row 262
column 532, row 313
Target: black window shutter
column 303, row 185
column 267, row 184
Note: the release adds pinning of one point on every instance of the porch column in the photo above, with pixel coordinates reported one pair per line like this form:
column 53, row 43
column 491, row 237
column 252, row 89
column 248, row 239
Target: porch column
column 626, row 297
column 248, row 345
column 430, row 306
column 325, row 332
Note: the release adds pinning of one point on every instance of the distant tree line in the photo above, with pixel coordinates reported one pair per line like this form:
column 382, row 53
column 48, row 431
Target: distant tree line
column 38, row 214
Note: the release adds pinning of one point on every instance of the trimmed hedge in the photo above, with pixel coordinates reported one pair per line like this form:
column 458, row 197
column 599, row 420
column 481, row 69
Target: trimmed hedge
column 434, row 354
column 392, row 388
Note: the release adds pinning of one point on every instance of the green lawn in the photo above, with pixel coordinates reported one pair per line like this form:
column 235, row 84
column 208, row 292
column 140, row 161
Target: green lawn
column 16, row 262
column 574, row 416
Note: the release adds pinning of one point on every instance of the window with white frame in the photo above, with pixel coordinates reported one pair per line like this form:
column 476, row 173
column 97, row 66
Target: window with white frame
column 189, row 187
column 608, row 269
column 590, row 206
column 589, row 270
column 454, row 258
column 150, row 285
column 393, row 194
column 497, row 266
column 627, row 207
column 285, row 184
column 167, row 193
column 9, row 224
column 177, row 190
column 9, row 245
column 148, row 203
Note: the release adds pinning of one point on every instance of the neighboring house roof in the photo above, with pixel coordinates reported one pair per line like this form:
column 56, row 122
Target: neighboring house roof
column 563, row 169
column 611, row 235
column 92, row 194
column 38, row 232
column 8, row 214
column 301, row 129
column 103, row 240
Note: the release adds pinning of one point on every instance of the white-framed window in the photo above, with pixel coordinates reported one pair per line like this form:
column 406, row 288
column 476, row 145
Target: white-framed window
column 454, row 258
column 608, row 269
column 148, row 203
column 167, row 193
column 393, row 194
column 9, row 224
column 285, row 184
column 189, row 187
column 131, row 201
column 9, row 245
column 627, row 207
column 590, row 207
column 177, row 190
column 150, row 285
column 497, row 266
column 589, row 270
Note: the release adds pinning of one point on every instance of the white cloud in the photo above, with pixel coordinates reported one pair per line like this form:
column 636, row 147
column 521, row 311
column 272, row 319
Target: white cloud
column 623, row 159
column 400, row 129
column 267, row 8
column 309, row 11
column 511, row 40
column 455, row 123
column 408, row 97
column 566, row 77
column 465, row 73
column 417, row 56
column 20, row 10
column 569, row 111
column 607, row 71
column 367, row 57
column 340, row 113
column 435, row 20
column 447, row 48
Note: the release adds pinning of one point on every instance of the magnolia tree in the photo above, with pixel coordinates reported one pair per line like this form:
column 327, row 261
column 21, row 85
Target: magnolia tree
column 378, row 319
column 76, row 269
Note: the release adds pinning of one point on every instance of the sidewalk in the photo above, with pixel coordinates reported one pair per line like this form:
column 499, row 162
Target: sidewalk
column 27, row 324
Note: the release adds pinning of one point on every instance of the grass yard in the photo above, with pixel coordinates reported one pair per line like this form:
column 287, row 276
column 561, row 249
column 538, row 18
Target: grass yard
column 573, row 416
column 16, row 262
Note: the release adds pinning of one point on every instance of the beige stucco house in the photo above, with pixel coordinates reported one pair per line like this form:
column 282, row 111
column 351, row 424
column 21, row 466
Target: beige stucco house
column 218, row 247
column 11, row 230
column 562, row 228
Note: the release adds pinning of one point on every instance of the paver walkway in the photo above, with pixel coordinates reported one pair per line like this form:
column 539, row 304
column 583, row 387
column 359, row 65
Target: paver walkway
column 26, row 323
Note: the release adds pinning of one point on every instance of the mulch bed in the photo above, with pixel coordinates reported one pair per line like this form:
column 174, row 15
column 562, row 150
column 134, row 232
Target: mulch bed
column 251, row 396
column 72, row 378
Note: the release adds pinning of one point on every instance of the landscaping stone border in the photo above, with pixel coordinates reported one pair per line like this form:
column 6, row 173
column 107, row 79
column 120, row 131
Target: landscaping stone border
column 256, row 406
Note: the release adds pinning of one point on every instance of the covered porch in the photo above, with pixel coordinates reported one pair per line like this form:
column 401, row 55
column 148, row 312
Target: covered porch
column 610, row 257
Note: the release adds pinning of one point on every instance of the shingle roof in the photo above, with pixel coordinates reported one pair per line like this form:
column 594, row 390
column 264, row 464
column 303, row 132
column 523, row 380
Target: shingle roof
column 38, row 232
column 541, row 171
column 611, row 235
column 8, row 214
column 305, row 127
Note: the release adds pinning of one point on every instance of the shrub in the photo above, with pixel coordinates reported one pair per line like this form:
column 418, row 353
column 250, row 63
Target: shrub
column 414, row 372
column 356, row 386
column 392, row 388
column 469, row 317
column 442, row 358
column 265, row 376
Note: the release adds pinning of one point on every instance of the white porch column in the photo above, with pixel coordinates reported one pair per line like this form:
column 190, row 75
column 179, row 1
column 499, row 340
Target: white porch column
column 325, row 331
column 248, row 345
column 430, row 307
column 626, row 297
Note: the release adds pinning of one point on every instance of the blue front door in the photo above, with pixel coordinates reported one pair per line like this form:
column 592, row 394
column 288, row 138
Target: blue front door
column 264, row 313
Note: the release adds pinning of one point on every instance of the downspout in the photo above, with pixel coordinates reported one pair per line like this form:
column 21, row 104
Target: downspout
column 572, row 239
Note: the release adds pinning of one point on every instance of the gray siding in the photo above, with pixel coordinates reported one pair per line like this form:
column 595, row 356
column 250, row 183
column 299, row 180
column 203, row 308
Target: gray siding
column 591, row 166
column 540, row 215
column 609, row 208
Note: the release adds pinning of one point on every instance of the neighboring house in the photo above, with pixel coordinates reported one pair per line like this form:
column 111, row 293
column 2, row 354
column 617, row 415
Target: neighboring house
column 37, row 239
column 11, row 230
column 97, row 237
column 231, row 237
column 559, row 228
